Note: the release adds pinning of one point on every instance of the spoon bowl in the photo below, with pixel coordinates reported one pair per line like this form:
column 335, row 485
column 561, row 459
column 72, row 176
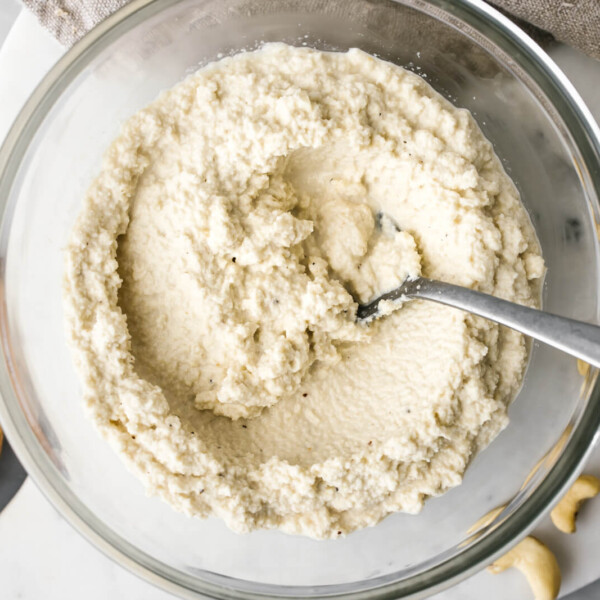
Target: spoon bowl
column 574, row 337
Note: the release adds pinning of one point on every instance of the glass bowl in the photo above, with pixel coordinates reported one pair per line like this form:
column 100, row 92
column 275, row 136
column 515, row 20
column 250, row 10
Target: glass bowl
column 549, row 145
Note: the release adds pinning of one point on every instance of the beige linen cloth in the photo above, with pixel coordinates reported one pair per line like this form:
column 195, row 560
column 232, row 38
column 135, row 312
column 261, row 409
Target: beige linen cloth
column 575, row 22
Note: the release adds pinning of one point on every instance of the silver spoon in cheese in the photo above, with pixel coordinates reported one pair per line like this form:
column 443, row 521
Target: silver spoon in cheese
column 577, row 338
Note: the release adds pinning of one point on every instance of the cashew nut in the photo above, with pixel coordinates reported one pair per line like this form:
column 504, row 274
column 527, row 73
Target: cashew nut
column 551, row 455
column 537, row 563
column 486, row 519
column 583, row 368
column 565, row 512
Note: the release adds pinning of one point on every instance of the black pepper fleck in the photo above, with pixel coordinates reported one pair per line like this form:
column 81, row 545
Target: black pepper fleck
column 370, row 442
column 304, row 395
column 245, row 426
column 201, row 492
column 339, row 533
column 233, row 259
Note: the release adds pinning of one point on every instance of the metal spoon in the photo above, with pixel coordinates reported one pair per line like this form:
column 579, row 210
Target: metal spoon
column 574, row 337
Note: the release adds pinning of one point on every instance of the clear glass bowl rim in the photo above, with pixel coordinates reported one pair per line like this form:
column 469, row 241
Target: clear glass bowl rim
column 529, row 57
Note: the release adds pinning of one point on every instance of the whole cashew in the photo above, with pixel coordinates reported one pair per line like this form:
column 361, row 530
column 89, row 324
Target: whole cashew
column 537, row 563
column 551, row 455
column 565, row 512
column 583, row 368
column 486, row 519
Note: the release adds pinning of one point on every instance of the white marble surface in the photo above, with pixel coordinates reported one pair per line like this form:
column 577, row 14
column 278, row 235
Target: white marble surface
column 42, row 557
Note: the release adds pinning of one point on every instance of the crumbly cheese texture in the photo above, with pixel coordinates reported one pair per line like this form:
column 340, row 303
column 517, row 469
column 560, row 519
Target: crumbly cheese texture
column 212, row 278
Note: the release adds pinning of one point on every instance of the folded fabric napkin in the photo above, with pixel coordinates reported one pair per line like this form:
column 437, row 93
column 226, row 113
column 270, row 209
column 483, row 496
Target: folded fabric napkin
column 575, row 22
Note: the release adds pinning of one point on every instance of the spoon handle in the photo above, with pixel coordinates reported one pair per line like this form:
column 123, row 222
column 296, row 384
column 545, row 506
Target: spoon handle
column 574, row 337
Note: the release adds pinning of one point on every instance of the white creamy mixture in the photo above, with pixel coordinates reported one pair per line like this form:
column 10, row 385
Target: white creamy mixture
column 207, row 293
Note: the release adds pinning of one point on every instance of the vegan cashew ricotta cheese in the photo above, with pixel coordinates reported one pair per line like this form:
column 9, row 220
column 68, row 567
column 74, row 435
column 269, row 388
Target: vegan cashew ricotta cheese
column 212, row 278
